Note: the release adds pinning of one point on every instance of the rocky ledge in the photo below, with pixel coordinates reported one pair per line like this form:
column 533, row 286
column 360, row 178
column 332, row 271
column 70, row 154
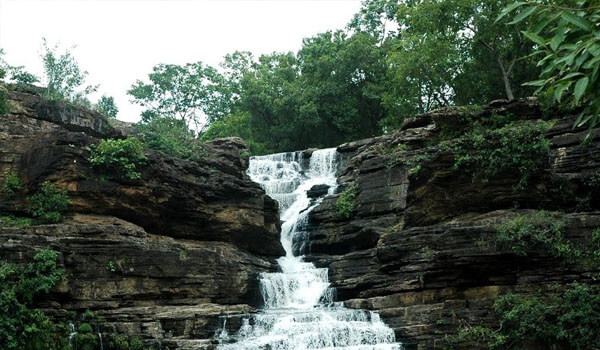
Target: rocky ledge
column 160, row 257
column 418, row 244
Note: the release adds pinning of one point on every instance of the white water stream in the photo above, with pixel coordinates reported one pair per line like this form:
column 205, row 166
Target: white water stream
column 300, row 312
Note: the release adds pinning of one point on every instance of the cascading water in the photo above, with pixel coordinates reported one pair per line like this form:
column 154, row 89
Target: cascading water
column 299, row 311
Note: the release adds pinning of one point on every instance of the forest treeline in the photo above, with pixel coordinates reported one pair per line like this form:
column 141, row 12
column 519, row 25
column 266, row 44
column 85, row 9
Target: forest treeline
column 395, row 59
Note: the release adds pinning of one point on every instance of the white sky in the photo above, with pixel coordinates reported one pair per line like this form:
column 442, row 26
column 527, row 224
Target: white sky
column 120, row 41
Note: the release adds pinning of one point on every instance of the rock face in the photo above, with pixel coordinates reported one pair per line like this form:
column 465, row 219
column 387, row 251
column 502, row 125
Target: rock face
column 162, row 256
column 417, row 247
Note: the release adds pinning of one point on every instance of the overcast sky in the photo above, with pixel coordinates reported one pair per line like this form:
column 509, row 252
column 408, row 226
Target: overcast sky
column 118, row 41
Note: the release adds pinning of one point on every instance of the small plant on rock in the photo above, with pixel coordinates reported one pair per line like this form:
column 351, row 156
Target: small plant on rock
column 49, row 204
column 11, row 185
column 13, row 221
column 520, row 148
column 345, row 205
column 119, row 158
column 537, row 231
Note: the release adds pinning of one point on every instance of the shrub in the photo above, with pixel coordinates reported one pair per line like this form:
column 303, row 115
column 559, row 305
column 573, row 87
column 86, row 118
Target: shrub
column 11, row 185
column 345, row 205
column 569, row 319
column 13, row 221
column 519, row 148
column 49, row 203
column 85, row 338
column 540, row 230
column 22, row 327
column 106, row 105
column 119, row 158
column 171, row 137
column 123, row 342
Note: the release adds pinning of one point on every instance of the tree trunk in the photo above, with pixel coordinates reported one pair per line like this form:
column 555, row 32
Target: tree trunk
column 506, row 78
column 505, row 72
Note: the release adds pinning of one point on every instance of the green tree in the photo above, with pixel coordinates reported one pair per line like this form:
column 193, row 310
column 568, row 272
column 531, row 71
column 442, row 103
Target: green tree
column 106, row 105
column 64, row 77
column 170, row 136
column 237, row 124
column 191, row 93
column 376, row 17
column 447, row 52
column 16, row 74
column 21, row 326
column 342, row 84
column 567, row 39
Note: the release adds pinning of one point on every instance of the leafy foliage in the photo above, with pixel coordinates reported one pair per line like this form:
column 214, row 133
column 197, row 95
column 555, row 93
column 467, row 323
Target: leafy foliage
column 120, row 158
column 170, row 136
column 345, row 205
column 537, row 231
column 187, row 93
column 15, row 74
column 519, row 148
column 13, row 221
column 568, row 39
column 85, row 338
column 65, row 80
column 22, row 327
column 567, row 319
column 11, row 185
column 49, row 204
column 106, row 105
column 123, row 342
column 239, row 125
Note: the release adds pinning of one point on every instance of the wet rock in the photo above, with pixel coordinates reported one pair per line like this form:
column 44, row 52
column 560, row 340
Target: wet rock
column 317, row 191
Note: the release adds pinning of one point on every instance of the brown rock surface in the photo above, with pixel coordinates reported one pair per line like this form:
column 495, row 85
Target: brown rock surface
column 417, row 246
column 161, row 257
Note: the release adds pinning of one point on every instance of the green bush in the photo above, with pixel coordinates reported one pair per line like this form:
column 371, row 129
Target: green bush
column 345, row 205
column 120, row 158
column 571, row 318
column 519, row 148
column 49, row 204
column 536, row 231
column 123, row 342
column 171, row 137
column 13, row 221
column 22, row 327
column 11, row 185
column 566, row 320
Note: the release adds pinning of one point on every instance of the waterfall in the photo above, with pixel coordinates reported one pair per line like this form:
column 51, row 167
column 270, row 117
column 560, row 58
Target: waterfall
column 300, row 312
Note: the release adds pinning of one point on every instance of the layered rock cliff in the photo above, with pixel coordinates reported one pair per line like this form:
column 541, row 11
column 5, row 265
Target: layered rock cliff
column 160, row 257
column 163, row 257
column 418, row 243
